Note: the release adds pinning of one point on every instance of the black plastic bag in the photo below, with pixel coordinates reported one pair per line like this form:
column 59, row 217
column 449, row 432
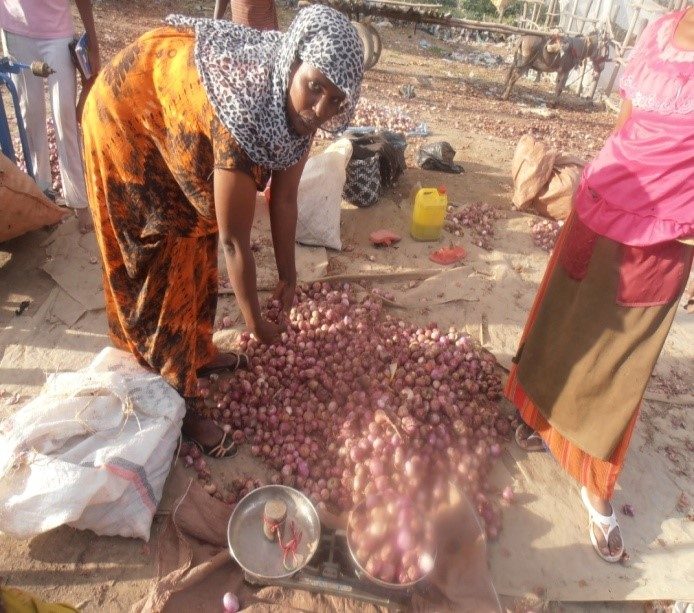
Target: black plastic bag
column 438, row 156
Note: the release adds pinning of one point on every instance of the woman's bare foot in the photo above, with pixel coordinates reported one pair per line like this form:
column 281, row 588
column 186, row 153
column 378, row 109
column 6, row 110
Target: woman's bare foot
column 225, row 360
column 84, row 220
column 613, row 546
column 201, row 429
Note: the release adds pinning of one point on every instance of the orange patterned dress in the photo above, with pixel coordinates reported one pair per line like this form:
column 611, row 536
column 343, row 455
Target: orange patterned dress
column 151, row 144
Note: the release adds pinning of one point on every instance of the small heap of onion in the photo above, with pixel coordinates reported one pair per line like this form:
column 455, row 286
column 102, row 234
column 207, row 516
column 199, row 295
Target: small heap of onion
column 478, row 217
column 545, row 233
column 390, row 539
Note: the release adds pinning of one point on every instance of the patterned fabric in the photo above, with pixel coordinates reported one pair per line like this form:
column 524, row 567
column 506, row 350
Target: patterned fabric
column 151, row 143
column 599, row 476
column 246, row 75
column 363, row 183
column 658, row 77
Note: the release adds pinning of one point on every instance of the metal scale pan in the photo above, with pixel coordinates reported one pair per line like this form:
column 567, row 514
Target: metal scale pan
column 255, row 554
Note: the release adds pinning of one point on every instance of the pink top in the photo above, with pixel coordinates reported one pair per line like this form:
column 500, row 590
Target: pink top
column 639, row 190
column 37, row 18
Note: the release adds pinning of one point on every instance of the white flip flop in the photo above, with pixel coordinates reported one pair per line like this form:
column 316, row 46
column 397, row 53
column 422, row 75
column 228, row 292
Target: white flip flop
column 606, row 523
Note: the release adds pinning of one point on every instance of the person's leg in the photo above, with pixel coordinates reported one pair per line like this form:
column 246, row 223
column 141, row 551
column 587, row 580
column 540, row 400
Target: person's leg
column 63, row 95
column 32, row 103
column 609, row 542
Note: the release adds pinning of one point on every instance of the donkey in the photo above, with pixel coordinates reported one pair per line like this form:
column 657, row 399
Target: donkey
column 560, row 54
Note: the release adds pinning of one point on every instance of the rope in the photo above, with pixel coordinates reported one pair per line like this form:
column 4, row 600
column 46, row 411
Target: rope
column 291, row 546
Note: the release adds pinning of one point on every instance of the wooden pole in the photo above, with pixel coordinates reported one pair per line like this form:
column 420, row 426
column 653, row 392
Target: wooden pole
column 525, row 10
column 550, row 12
column 536, row 10
column 598, row 12
column 570, row 25
column 583, row 23
column 632, row 25
column 432, row 17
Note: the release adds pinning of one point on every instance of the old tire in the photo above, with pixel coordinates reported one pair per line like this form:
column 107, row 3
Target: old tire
column 377, row 45
column 372, row 43
column 366, row 40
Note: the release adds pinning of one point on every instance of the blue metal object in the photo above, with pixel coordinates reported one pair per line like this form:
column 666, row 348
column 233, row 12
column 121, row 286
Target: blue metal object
column 8, row 67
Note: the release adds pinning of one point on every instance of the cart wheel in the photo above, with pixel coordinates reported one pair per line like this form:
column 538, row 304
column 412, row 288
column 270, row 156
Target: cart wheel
column 377, row 44
column 367, row 40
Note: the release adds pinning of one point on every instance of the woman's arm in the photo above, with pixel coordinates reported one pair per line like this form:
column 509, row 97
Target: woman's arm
column 220, row 7
column 624, row 114
column 234, row 196
column 86, row 14
column 283, row 214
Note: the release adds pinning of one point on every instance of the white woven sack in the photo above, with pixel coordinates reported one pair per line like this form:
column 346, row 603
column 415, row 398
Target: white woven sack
column 320, row 196
column 92, row 451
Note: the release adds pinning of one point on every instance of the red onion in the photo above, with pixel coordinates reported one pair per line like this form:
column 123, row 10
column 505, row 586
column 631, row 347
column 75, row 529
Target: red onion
column 230, row 602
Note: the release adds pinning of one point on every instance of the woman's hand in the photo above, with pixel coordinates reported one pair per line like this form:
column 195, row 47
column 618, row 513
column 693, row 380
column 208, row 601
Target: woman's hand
column 284, row 292
column 266, row 331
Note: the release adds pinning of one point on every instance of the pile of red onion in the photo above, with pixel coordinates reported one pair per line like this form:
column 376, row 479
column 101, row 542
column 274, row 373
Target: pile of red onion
column 478, row 217
column 379, row 116
column 545, row 233
column 392, row 541
column 353, row 404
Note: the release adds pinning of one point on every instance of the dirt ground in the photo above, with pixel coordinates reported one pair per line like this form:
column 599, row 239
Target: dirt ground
column 458, row 102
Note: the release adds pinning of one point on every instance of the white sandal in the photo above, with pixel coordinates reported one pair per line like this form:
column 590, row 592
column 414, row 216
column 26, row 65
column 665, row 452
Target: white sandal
column 606, row 523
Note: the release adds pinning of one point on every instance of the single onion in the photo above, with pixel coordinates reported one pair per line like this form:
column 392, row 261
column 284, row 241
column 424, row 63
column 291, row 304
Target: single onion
column 426, row 563
column 230, row 602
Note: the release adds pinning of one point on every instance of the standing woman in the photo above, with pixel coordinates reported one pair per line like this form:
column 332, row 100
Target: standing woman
column 181, row 130
column 611, row 289
column 42, row 30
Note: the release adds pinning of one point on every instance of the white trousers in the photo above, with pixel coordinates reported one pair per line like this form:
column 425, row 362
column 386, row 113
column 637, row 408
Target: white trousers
column 62, row 90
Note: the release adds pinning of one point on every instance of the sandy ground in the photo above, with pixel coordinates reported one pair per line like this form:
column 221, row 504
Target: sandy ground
column 64, row 326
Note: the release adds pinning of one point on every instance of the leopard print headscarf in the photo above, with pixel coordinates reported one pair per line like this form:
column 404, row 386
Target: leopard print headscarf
column 246, row 73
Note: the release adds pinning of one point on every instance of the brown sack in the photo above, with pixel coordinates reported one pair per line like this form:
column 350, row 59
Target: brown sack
column 531, row 169
column 555, row 199
column 23, row 206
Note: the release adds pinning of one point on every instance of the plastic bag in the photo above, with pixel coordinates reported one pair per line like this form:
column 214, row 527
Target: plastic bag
column 555, row 199
column 543, row 180
column 23, row 206
column 320, row 196
column 92, row 451
column 438, row 156
column 448, row 255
